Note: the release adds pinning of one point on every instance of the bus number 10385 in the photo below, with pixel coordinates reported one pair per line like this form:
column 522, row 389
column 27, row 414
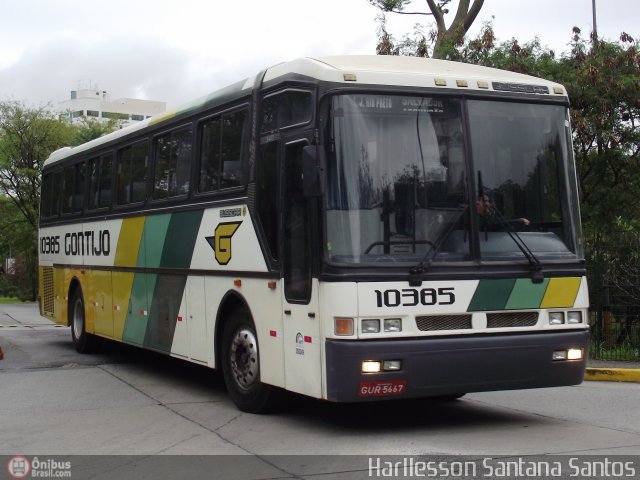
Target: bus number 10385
column 411, row 297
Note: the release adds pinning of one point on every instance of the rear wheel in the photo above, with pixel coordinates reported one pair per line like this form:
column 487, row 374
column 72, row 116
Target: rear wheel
column 241, row 366
column 83, row 341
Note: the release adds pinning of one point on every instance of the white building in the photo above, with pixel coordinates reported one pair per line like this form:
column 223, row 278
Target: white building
column 95, row 103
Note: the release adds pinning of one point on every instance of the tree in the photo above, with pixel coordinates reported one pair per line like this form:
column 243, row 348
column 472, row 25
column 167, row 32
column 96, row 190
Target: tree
column 444, row 39
column 27, row 138
column 92, row 128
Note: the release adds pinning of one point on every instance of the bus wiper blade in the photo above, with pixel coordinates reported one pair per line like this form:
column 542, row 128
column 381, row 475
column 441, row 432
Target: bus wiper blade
column 416, row 273
column 536, row 267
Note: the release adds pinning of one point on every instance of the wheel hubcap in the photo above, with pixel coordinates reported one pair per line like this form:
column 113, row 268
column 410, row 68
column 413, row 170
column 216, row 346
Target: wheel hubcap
column 244, row 359
column 78, row 319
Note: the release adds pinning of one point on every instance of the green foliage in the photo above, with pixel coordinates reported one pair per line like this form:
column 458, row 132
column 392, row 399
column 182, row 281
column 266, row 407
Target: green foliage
column 91, row 128
column 444, row 41
column 27, row 138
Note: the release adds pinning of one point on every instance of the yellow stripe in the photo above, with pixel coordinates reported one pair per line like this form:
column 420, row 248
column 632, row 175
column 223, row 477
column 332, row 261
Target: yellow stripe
column 561, row 293
column 161, row 118
column 129, row 242
column 613, row 374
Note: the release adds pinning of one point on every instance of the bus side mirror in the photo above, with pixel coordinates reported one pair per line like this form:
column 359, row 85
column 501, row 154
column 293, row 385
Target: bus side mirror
column 312, row 167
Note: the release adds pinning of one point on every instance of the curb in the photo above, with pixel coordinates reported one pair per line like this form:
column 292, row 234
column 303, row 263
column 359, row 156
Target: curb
column 612, row 374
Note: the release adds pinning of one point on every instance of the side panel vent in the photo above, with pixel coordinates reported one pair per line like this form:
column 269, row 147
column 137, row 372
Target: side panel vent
column 48, row 297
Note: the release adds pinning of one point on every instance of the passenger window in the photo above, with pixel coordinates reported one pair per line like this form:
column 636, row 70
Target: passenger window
column 101, row 172
column 49, row 202
column 132, row 174
column 223, row 152
column 73, row 188
column 173, row 164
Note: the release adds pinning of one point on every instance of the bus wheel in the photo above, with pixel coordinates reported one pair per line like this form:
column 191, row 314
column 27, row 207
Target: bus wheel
column 241, row 365
column 83, row 341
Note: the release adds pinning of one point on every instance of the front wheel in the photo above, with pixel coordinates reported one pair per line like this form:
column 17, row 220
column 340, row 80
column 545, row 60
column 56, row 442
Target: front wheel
column 83, row 341
column 241, row 366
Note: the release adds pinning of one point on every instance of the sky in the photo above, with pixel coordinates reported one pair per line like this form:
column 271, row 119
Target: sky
column 176, row 51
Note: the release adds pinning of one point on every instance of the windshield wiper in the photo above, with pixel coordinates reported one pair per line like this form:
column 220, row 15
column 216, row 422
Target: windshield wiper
column 536, row 267
column 416, row 273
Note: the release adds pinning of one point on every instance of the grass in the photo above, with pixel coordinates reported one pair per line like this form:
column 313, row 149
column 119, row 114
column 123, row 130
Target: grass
column 4, row 300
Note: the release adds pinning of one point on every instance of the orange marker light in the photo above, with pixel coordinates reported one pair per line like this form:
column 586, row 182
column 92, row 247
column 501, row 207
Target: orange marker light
column 343, row 326
column 237, row 282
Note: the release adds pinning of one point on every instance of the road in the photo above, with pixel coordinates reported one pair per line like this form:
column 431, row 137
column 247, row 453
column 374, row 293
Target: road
column 124, row 401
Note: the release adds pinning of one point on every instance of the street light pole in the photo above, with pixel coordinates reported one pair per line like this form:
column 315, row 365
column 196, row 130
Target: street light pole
column 595, row 26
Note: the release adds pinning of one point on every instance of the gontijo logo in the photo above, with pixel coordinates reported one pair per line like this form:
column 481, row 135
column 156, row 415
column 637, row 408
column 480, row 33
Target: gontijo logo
column 221, row 241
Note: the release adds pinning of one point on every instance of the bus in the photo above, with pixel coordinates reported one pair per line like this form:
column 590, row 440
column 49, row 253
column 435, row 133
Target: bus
column 349, row 228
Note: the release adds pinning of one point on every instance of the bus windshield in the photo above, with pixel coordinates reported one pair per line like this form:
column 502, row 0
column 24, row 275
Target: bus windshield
column 398, row 185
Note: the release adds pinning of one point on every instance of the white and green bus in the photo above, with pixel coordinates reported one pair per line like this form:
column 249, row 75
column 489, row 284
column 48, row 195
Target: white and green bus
column 347, row 228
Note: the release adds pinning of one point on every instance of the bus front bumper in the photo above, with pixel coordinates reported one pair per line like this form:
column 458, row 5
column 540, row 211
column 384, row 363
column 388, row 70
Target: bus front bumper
column 441, row 366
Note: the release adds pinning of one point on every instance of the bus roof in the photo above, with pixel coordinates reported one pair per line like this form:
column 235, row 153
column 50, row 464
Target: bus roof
column 354, row 70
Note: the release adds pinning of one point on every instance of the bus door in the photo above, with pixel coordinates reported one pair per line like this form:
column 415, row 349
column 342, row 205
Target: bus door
column 300, row 291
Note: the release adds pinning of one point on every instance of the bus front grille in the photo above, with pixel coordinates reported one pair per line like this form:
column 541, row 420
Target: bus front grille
column 444, row 322
column 511, row 319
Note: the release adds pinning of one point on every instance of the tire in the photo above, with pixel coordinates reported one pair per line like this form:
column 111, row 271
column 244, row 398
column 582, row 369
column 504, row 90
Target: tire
column 241, row 366
column 83, row 341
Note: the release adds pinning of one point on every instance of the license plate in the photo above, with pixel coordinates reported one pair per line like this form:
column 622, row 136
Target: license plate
column 382, row 388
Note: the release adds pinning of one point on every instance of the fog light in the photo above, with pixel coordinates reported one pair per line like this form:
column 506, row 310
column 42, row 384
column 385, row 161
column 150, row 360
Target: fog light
column 343, row 326
column 556, row 318
column 559, row 355
column 392, row 325
column 574, row 354
column 392, row 365
column 574, row 317
column 371, row 325
column 370, row 366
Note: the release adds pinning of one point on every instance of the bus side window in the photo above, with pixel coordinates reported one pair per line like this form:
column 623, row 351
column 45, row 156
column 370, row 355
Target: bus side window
column 100, row 173
column 223, row 151
column 131, row 184
column 50, row 201
column 286, row 109
column 172, row 164
column 73, row 188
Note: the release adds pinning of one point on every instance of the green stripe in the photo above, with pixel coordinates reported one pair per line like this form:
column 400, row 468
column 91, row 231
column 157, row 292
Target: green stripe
column 180, row 237
column 153, row 238
column 180, row 240
column 527, row 294
column 135, row 326
column 491, row 295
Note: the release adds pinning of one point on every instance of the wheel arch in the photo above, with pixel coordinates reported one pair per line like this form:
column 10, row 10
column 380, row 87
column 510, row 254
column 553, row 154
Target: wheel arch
column 231, row 301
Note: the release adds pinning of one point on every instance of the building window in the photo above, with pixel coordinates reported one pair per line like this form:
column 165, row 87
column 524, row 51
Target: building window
column 93, row 113
column 137, row 118
column 115, row 116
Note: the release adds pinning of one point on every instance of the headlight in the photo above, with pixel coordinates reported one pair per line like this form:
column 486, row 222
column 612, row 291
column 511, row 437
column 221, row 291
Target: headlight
column 574, row 317
column 371, row 325
column 556, row 318
column 371, row 366
column 392, row 325
column 574, row 354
